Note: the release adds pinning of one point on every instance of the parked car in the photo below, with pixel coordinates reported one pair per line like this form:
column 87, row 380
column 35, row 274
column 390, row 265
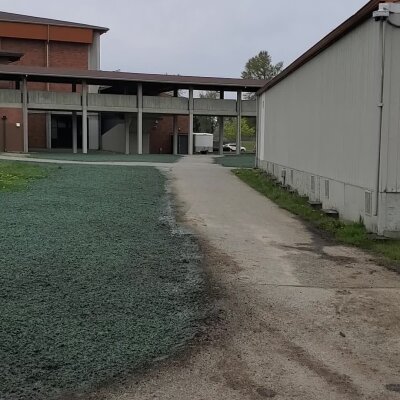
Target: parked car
column 232, row 147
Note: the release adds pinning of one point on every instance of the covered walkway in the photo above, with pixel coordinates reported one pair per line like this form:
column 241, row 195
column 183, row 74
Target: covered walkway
column 133, row 96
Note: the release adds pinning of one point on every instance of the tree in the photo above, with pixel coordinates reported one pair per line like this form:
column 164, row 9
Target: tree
column 230, row 129
column 261, row 67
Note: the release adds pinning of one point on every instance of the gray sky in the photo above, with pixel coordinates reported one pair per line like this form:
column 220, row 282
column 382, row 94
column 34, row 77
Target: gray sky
column 188, row 37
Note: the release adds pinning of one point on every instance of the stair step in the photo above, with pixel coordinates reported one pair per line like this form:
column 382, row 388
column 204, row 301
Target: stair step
column 331, row 213
column 317, row 205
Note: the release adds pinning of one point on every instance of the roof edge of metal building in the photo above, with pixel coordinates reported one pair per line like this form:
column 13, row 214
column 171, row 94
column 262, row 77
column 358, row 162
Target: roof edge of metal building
column 347, row 26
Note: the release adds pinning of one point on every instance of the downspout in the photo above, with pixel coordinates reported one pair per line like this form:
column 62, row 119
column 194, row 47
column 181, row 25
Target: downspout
column 257, row 129
column 380, row 105
column 48, row 53
column 4, row 118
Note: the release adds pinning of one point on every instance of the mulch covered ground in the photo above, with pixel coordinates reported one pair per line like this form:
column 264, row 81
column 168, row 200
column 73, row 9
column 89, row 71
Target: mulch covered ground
column 236, row 161
column 96, row 280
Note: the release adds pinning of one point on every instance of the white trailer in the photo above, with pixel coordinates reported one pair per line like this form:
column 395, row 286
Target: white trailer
column 203, row 142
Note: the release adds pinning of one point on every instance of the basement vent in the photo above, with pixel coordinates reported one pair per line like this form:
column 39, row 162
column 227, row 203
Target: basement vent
column 368, row 203
column 327, row 189
column 313, row 184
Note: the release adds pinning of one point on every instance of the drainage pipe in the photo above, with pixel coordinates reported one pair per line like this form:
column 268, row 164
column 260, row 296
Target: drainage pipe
column 380, row 105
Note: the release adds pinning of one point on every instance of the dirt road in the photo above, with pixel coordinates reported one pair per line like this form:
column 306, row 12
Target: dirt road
column 299, row 316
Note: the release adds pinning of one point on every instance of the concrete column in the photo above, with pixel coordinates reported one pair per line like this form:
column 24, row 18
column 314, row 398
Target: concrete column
column 94, row 131
column 140, row 119
column 175, row 130
column 48, row 131
column 191, row 107
column 221, row 128
column 239, row 122
column 74, row 132
column 175, row 137
column 25, row 116
column 127, row 133
column 84, row 118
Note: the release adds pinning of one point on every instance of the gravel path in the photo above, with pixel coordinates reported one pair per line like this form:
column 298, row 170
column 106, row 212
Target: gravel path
column 298, row 317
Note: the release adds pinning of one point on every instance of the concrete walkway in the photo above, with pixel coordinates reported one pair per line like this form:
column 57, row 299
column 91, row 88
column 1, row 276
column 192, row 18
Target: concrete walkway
column 13, row 157
column 297, row 317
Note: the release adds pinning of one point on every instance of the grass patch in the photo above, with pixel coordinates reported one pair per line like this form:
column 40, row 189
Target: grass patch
column 15, row 175
column 99, row 156
column 349, row 233
column 96, row 280
column 236, row 161
column 250, row 145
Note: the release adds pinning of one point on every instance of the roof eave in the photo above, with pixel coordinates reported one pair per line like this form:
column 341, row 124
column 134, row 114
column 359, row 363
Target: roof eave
column 101, row 77
column 351, row 23
column 50, row 22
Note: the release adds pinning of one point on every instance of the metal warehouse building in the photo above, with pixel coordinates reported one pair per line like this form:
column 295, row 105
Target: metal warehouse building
column 329, row 125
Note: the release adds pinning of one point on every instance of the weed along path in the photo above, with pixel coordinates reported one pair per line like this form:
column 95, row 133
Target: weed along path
column 296, row 316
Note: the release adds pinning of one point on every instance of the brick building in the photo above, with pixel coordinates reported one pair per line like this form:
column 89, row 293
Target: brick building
column 41, row 42
column 53, row 94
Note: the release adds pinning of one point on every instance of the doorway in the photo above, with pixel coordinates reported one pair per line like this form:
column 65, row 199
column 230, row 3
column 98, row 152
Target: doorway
column 61, row 131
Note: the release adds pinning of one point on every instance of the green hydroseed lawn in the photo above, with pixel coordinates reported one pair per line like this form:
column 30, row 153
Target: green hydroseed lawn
column 349, row 233
column 236, row 161
column 96, row 280
column 104, row 156
column 15, row 176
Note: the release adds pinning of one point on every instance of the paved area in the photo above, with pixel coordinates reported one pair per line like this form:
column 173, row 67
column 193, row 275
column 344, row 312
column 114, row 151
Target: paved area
column 13, row 157
column 297, row 317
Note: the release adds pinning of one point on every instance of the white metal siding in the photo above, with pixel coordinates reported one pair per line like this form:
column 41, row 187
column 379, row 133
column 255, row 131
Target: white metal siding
column 324, row 118
column 323, row 121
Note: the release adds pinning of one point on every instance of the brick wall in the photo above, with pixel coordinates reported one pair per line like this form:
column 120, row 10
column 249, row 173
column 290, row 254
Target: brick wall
column 37, row 131
column 67, row 55
column 34, row 55
column 161, row 133
column 61, row 55
column 14, row 134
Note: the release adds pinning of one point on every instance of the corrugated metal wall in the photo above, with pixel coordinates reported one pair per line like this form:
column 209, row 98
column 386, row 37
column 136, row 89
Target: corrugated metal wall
column 323, row 121
column 324, row 117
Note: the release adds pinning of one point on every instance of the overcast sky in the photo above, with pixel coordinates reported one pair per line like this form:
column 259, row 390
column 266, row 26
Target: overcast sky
column 191, row 37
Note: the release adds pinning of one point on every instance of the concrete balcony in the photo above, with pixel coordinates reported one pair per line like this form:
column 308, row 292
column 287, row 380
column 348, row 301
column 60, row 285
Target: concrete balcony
column 96, row 102
column 10, row 98
column 215, row 107
column 66, row 101
column 249, row 108
column 165, row 105
column 112, row 102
